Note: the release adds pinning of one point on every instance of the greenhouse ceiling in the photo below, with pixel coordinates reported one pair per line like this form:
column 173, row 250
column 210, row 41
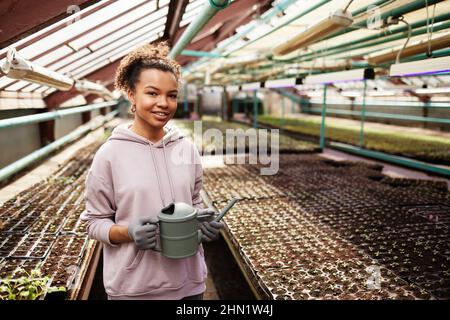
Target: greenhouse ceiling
column 247, row 41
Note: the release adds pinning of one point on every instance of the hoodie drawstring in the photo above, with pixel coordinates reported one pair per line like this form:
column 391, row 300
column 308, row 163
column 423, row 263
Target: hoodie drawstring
column 168, row 173
column 158, row 178
column 157, row 175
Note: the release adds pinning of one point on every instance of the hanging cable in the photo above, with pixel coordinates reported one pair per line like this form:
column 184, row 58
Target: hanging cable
column 402, row 19
column 348, row 5
column 430, row 32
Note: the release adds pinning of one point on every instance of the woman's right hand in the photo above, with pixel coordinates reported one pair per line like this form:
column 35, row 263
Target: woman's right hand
column 143, row 233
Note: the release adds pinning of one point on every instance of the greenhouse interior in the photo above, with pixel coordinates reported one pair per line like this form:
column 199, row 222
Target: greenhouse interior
column 322, row 129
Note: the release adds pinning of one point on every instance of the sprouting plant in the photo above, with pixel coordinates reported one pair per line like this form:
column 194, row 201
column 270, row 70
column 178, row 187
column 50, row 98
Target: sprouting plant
column 31, row 286
column 61, row 180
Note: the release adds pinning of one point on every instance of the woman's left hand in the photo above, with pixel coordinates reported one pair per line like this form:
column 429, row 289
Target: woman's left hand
column 210, row 230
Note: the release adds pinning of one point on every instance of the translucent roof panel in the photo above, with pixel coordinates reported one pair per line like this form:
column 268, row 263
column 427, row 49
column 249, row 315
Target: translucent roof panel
column 71, row 58
column 142, row 34
column 5, row 81
column 55, row 55
column 126, row 47
column 140, row 27
column 91, row 39
column 134, row 15
column 17, row 86
column 31, row 87
column 77, row 28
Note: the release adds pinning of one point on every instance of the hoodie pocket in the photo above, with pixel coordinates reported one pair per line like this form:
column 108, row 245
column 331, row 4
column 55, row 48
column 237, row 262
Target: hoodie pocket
column 136, row 260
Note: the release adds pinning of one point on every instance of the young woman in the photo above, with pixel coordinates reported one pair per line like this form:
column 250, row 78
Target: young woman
column 136, row 173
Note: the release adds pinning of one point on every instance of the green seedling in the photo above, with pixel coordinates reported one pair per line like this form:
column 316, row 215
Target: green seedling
column 31, row 286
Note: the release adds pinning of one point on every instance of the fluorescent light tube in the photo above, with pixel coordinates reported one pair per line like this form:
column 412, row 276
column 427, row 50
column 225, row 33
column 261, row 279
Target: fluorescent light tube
column 433, row 90
column 232, row 88
column 282, row 83
column 411, row 50
column 422, row 67
column 17, row 67
column 341, row 76
column 92, row 87
column 333, row 23
column 252, row 86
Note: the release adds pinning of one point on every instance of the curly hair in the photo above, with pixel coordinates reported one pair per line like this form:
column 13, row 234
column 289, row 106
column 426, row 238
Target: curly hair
column 148, row 56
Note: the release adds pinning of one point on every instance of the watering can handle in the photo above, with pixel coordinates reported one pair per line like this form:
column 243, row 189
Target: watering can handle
column 157, row 236
column 226, row 209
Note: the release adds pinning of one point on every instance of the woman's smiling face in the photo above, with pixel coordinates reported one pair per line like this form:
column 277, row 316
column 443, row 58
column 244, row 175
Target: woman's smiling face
column 155, row 97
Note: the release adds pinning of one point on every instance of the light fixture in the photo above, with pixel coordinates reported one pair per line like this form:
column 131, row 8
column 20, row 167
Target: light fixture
column 252, row 86
column 414, row 49
column 17, row 67
column 333, row 23
column 92, row 87
column 422, row 67
column 341, row 76
column 233, row 88
column 282, row 83
column 433, row 90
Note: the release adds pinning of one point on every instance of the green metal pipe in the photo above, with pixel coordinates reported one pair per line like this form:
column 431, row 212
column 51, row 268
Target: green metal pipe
column 193, row 53
column 364, row 9
column 324, row 115
column 363, row 115
column 422, row 56
column 391, row 158
column 195, row 26
column 266, row 16
column 362, row 43
column 34, row 118
column 301, row 14
column 388, row 104
column 412, row 6
column 387, row 39
column 289, row 95
column 383, row 115
column 402, row 29
column 255, row 110
column 356, row 12
column 22, row 163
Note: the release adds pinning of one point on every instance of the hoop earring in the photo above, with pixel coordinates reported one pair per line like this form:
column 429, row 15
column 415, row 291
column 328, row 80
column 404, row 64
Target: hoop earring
column 133, row 108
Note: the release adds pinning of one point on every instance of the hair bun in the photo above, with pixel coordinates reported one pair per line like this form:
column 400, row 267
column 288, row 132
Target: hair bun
column 147, row 53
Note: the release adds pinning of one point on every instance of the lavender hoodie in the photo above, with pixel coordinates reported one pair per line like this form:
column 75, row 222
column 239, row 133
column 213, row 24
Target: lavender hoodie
column 131, row 178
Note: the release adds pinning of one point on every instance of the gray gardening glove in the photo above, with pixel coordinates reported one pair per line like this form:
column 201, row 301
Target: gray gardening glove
column 207, row 215
column 143, row 233
column 210, row 230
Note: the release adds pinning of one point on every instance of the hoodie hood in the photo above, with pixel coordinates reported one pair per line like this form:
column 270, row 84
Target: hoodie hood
column 123, row 132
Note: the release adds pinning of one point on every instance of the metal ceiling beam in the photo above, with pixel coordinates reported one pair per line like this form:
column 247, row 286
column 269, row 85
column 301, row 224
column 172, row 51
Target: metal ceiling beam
column 176, row 10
